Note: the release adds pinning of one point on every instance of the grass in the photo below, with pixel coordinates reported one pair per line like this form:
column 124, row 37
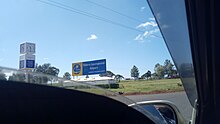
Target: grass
column 132, row 87
column 148, row 86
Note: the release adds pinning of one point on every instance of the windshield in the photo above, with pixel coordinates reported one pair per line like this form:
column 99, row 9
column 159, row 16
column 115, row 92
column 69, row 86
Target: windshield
column 111, row 46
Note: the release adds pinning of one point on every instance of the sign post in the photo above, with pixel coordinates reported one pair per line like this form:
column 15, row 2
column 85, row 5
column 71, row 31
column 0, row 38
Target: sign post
column 27, row 58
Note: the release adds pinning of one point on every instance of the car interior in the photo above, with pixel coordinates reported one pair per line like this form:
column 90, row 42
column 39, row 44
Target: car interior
column 32, row 103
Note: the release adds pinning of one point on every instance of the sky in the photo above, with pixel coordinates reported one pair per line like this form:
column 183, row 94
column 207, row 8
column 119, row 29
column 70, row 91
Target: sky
column 123, row 32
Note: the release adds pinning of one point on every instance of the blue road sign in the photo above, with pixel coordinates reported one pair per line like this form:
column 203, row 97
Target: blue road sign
column 30, row 63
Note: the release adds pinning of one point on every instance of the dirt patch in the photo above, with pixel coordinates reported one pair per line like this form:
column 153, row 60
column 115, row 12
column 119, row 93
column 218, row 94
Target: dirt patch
column 153, row 92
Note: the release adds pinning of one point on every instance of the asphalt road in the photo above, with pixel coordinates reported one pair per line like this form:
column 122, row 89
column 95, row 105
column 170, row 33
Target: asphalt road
column 179, row 99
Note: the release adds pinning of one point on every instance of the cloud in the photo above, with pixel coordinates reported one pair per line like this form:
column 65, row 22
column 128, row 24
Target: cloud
column 152, row 19
column 46, row 58
column 146, row 24
column 142, row 8
column 149, row 29
column 165, row 26
column 1, row 59
column 141, row 37
column 92, row 37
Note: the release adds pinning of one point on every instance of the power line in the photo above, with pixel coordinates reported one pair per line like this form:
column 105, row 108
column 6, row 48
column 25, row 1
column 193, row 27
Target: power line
column 71, row 9
column 129, row 17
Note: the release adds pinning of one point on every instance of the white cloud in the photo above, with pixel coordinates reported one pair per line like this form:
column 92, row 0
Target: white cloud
column 152, row 19
column 146, row 24
column 149, row 29
column 46, row 58
column 92, row 37
column 1, row 59
column 139, row 37
column 146, row 34
column 142, row 8
column 165, row 26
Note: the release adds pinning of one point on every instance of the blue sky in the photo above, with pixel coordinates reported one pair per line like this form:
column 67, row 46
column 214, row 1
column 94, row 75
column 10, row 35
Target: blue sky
column 63, row 37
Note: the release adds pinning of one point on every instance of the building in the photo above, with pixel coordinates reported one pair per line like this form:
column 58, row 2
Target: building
column 92, row 81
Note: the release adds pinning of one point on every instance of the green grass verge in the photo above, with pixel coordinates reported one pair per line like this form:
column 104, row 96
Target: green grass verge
column 147, row 86
column 136, row 87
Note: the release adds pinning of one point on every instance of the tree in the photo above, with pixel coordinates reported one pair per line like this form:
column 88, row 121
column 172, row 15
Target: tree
column 159, row 70
column 154, row 76
column 118, row 77
column 143, row 76
column 135, row 72
column 168, row 68
column 2, row 75
column 107, row 74
column 17, row 77
column 146, row 75
column 45, row 69
column 67, row 76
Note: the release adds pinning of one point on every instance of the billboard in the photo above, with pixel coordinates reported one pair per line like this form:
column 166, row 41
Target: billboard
column 27, row 61
column 89, row 67
column 27, row 48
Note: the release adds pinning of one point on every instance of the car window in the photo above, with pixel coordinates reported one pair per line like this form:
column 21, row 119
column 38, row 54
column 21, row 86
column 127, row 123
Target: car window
column 115, row 45
column 176, row 35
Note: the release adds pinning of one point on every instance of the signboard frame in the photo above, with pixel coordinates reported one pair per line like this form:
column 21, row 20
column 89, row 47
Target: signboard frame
column 89, row 67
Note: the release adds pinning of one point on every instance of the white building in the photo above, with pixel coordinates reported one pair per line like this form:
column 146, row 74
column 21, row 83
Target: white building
column 96, row 80
column 92, row 81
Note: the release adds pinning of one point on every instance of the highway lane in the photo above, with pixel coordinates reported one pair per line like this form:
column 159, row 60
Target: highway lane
column 179, row 99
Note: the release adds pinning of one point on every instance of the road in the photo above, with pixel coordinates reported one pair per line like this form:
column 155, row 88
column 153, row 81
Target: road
column 179, row 99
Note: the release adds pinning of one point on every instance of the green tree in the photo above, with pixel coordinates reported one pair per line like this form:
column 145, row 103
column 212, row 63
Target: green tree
column 17, row 77
column 154, row 76
column 45, row 69
column 159, row 70
column 107, row 74
column 2, row 75
column 67, row 76
column 143, row 76
column 135, row 72
column 168, row 68
column 146, row 75
column 118, row 77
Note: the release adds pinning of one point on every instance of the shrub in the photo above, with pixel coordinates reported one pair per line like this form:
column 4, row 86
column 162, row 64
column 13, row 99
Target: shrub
column 106, row 86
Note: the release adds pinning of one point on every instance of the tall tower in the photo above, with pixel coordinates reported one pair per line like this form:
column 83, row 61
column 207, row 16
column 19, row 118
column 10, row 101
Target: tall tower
column 27, row 57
